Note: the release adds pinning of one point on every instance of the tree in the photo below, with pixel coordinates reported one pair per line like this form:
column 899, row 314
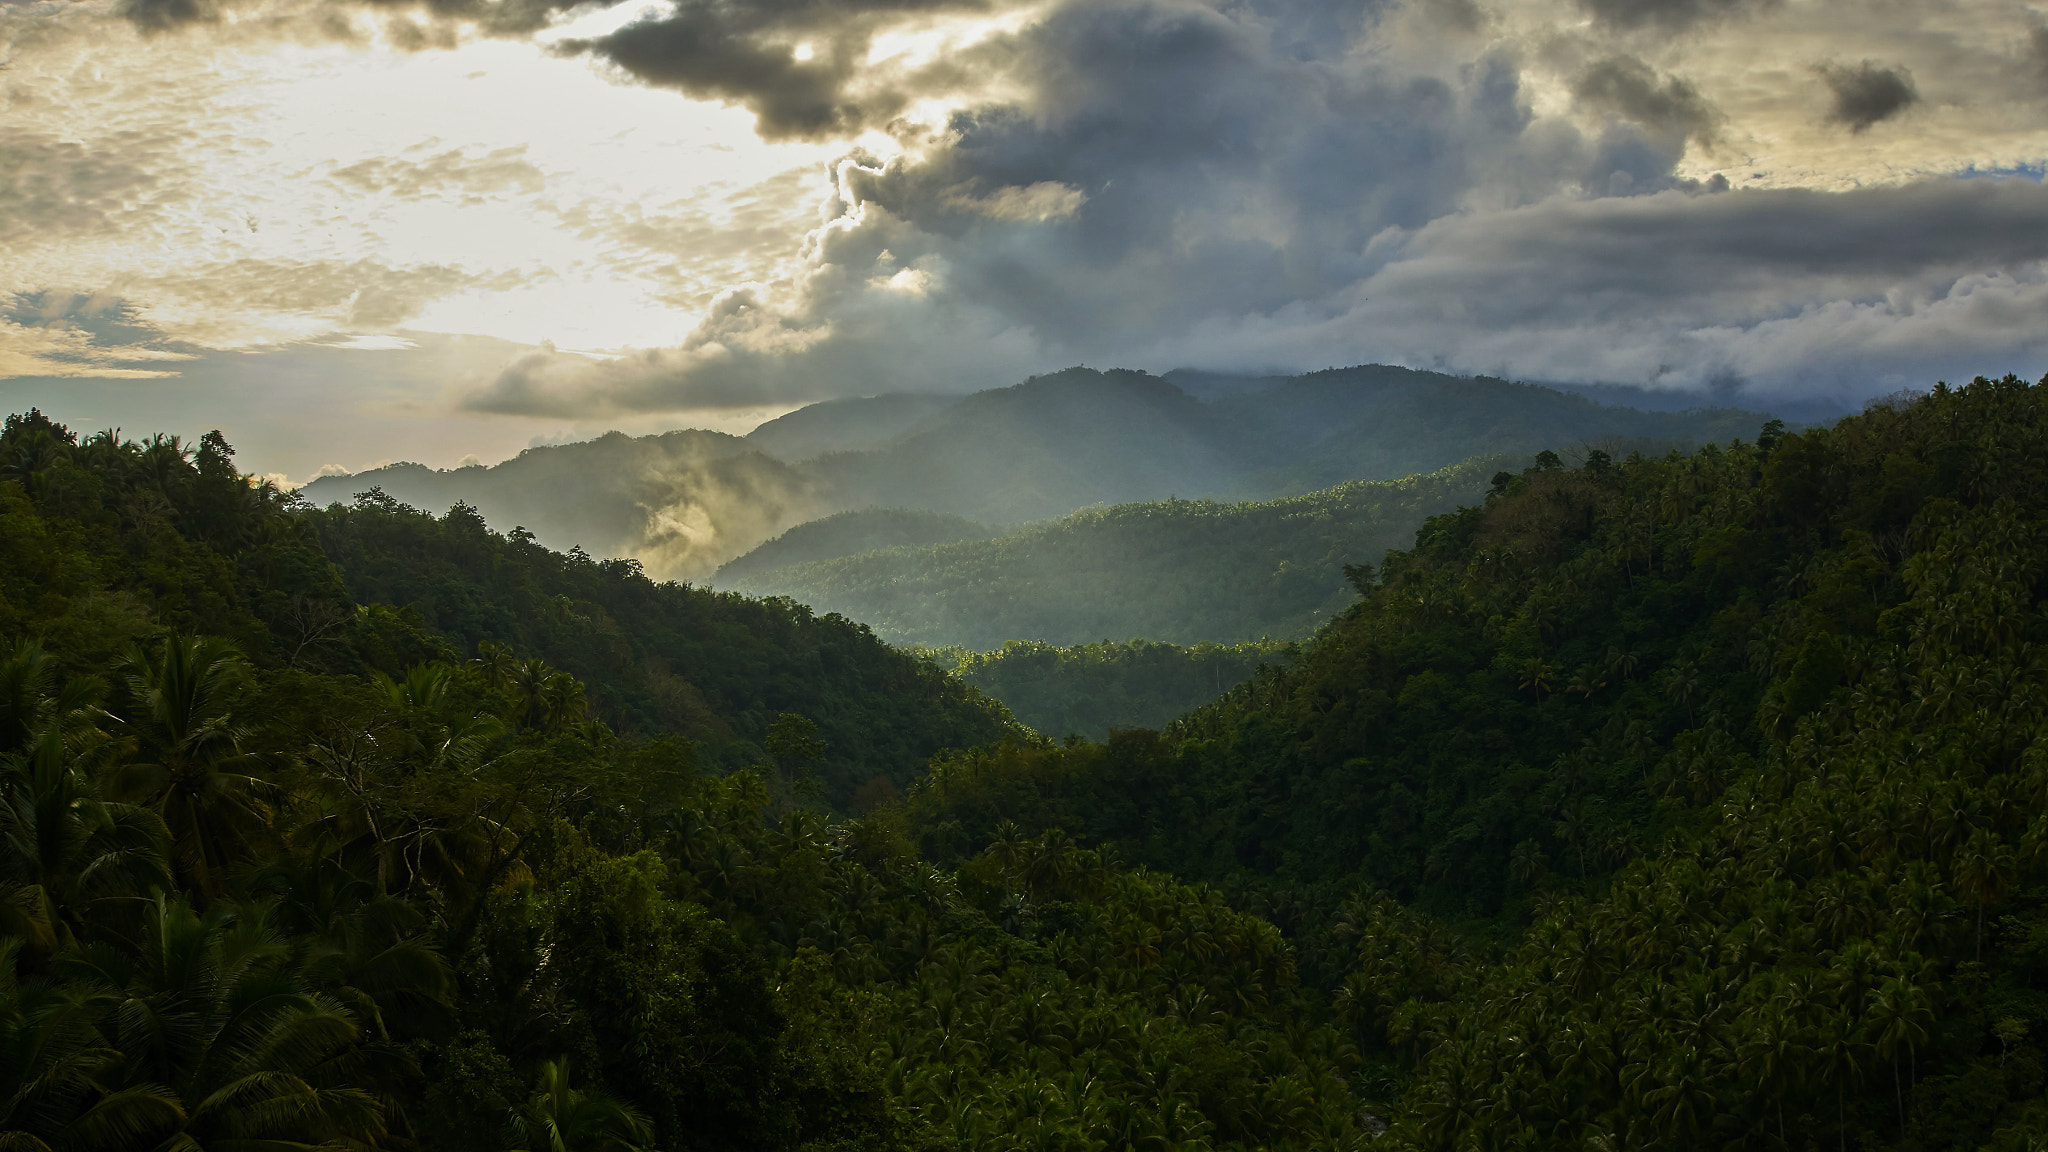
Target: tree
column 559, row 1118
column 184, row 699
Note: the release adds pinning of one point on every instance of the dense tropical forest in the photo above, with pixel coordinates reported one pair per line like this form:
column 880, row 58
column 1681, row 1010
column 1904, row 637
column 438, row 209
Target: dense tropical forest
column 1667, row 801
column 684, row 503
column 1691, row 801
column 1092, row 689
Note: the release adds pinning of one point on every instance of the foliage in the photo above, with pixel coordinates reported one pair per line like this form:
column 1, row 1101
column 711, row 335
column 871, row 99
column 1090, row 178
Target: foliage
column 1725, row 767
column 717, row 668
column 346, row 889
column 1681, row 802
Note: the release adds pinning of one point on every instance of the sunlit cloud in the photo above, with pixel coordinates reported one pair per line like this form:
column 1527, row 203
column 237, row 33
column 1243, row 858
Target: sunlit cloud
column 853, row 197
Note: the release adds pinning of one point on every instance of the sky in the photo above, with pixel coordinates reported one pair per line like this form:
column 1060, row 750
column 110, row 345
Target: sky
column 353, row 232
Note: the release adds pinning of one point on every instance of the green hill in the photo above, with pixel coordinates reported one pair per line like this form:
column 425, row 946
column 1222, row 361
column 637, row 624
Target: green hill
column 330, row 885
column 124, row 538
column 1181, row 571
column 845, row 425
column 1725, row 768
column 684, row 503
column 1681, row 801
column 850, row 533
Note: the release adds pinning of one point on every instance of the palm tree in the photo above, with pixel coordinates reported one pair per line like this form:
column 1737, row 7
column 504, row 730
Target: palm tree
column 184, row 698
column 61, row 848
column 562, row 1119
column 207, row 1010
column 70, row 849
column 1900, row 1014
column 496, row 663
column 1983, row 869
column 56, row 1070
column 562, row 701
column 425, row 687
column 528, row 687
column 1773, row 1056
column 1840, row 1053
column 29, row 699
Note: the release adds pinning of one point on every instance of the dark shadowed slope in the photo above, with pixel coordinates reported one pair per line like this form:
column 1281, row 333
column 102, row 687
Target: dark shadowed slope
column 1092, row 689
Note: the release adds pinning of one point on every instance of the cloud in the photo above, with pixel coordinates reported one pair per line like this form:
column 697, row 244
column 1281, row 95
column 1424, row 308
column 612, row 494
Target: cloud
column 450, row 172
column 334, row 294
column 1630, row 88
column 1678, row 288
column 1519, row 186
column 71, row 335
column 492, row 17
column 1866, row 94
column 55, row 190
column 63, row 351
column 801, row 66
column 1150, row 165
column 163, row 15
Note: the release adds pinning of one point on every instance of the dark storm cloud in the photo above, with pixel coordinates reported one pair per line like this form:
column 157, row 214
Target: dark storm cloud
column 747, row 53
column 1867, row 93
column 1666, row 254
column 1162, row 165
column 1627, row 87
column 1848, row 292
column 1219, row 175
column 162, row 15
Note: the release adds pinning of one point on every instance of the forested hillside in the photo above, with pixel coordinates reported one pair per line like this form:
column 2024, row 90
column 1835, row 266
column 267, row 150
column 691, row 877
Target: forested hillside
column 1089, row 689
column 1179, row 571
column 317, row 880
column 684, row 503
column 115, row 539
column 845, row 425
column 850, row 533
column 1685, row 802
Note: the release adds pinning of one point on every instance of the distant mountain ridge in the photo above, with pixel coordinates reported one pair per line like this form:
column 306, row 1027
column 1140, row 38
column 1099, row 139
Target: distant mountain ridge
column 685, row 503
column 1180, row 571
column 849, row 533
column 856, row 425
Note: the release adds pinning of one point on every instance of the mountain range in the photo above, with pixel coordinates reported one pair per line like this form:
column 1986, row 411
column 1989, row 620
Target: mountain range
column 1180, row 571
column 683, row 503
